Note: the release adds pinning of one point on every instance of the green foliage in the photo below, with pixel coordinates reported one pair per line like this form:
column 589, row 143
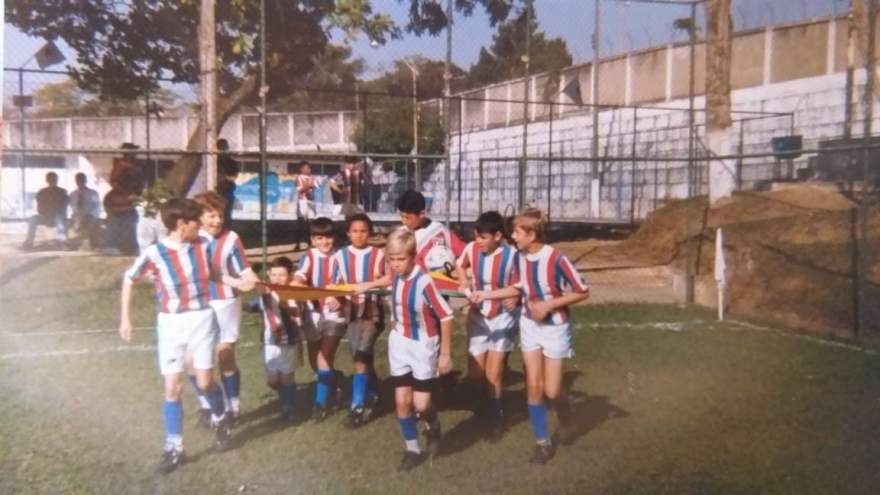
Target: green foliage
column 153, row 197
column 66, row 99
column 504, row 60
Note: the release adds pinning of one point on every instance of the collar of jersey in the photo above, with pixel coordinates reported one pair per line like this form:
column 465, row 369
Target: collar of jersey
column 537, row 256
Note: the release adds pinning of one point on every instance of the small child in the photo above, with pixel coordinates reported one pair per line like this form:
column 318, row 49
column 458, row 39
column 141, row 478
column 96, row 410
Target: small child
column 356, row 263
column 491, row 325
column 281, row 336
column 323, row 323
column 184, row 323
column 548, row 283
column 419, row 347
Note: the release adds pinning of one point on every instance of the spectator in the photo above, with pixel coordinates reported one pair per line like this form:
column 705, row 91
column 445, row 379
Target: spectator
column 86, row 206
column 126, row 182
column 305, row 190
column 52, row 204
column 347, row 183
column 228, row 170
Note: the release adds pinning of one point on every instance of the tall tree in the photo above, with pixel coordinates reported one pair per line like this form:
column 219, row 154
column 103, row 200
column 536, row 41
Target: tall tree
column 121, row 48
column 504, row 60
column 67, row 99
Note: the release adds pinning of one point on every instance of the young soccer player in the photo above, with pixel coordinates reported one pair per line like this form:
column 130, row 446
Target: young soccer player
column 281, row 336
column 356, row 263
column 419, row 347
column 323, row 323
column 491, row 325
column 305, row 189
column 227, row 258
column 436, row 245
column 548, row 283
column 184, row 322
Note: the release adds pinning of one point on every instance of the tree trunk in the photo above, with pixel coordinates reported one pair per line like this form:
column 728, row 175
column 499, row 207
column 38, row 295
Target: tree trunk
column 719, row 45
column 187, row 167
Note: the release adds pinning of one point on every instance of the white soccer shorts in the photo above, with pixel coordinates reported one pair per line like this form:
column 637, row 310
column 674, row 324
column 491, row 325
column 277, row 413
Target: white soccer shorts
column 361, row 335
column 181, row 334
column 553, row 340
column 227, row 319
column 306, row 209
column 490, row 334
column 280, row 359
column 316, row 325
column 418, row 357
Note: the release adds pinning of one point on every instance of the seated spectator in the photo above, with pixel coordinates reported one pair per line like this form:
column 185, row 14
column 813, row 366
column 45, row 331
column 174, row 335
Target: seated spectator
column 86, row 206
column 51, row 211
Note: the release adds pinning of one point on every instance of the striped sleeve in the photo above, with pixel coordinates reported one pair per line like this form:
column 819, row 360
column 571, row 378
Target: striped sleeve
column 142, row 265
column 381, row 266
column 573, row 279
column 305, row 267
column 336, row 268
column 515, row 278
column 237, row 256
column 438, row 305
column 464, row 261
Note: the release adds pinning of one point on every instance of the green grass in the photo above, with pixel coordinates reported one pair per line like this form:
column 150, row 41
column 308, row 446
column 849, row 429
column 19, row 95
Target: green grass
column 692, row 406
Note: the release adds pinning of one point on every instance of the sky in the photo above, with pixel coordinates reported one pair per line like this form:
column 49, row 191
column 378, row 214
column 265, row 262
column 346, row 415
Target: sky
column 624, row 24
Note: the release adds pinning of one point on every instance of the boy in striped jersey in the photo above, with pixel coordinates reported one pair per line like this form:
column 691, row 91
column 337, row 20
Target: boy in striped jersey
column 281, row 336
column 322, row 322
column 357, row 263
column 419, row 347
column 228, row 260
column 491, row 325
column 182, row 275
column 548, row 283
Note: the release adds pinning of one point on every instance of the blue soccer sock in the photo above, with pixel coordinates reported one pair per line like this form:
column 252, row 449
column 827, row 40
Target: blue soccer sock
column 203, row 402
column 232, row 385
column 286, row 395
column 538, row 417
column 326, row 378
column 172, row 412
column 409, row 430
column 358, row 389
column 215, row 399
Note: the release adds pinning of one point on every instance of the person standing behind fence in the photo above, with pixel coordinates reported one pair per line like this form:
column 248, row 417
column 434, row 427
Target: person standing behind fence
column 126, row 182
column 51, row 211
column 348, row 184
column 228, row 169
column 86, row 206
column 305, row 191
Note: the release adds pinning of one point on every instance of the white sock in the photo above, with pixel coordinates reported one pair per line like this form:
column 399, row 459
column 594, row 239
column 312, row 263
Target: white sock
column 173, row 442
column 203, row 402
column 413, row 446
column 234, row 405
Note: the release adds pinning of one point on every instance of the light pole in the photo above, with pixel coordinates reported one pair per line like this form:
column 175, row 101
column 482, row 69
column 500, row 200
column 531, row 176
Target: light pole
column 415, row 121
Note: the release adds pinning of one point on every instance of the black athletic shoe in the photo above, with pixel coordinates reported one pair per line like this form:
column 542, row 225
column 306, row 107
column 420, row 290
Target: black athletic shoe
column 356, row 418
column 543, row 452
column 432, row 433
column 171, row 458
column 205, row 418
column 319, row 413
column 410, row 461
column 496, row 429
column 221, row 434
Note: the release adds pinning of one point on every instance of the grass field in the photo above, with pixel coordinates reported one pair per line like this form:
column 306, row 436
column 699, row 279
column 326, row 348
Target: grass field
column 667, row 401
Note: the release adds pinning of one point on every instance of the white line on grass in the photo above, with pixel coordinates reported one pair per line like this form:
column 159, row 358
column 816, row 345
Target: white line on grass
column 56, row 333
column 808, row 338
column 82, row 352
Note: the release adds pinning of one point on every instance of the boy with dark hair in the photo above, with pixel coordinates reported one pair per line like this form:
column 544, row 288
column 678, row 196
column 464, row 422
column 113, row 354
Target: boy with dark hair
column 184, row 322
column 436, row 245
column 281, row 336
column 548, row 283
column 491, row 325
column 322, row 321
column 51, row 211
column 359, row 262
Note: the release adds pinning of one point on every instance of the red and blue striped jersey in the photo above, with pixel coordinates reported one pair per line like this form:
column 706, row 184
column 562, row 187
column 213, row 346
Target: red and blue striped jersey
column 227, row 257
column 435, row 244
column 317, row 270
column 279, row 324
column 361, row 265
column 490, row 272
column 546, row 275
column 417, row 308
column 181, row 273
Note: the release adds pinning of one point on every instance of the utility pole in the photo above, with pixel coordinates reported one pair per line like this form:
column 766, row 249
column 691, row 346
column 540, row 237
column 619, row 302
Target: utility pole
column 264, row 168
column 208, row 65
column 594, row 166
column 523, row 163
column 447, row 92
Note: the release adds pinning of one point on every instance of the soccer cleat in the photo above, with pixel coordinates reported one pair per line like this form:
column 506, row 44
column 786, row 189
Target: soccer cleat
column 356, row 418
column 319, row 413
column 543, row 452
column 171, row 458
column 221, row 433
column 496, row 429
column 410, row 461
column 432, row 434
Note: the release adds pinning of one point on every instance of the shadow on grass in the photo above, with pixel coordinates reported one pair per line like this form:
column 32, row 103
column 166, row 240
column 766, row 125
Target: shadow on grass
column 588, row 412
column 25, row 268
